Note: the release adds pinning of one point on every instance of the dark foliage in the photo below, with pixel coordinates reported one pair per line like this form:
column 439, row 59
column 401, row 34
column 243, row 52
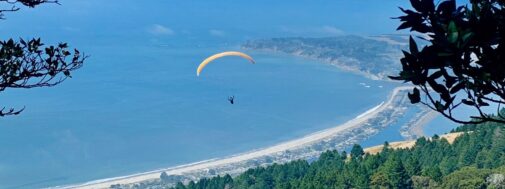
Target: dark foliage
column 13, row 5
column 29, row 63
column 463, row 63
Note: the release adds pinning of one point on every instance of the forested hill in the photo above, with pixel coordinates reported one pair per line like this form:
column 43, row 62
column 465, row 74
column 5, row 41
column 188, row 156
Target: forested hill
column 475, row 160
column 375, row 57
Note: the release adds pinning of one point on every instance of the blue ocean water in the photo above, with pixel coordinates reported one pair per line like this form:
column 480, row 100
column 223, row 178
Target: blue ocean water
column 139, row 108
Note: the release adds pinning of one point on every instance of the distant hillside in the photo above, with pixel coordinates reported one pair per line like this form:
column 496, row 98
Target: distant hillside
column 375, row 57
column 475, row 159
column 451, row 137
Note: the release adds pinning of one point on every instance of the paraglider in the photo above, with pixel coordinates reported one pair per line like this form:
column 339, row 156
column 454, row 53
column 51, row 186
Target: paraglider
column 231, row 99
column 219, row 55
column 202, row 65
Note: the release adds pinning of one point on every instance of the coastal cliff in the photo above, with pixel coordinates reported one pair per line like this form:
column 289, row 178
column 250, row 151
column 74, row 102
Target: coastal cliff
column 374, row 57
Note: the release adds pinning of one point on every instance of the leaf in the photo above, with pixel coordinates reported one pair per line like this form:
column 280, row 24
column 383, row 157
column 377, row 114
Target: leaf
column 446, row 97
column 481, row 102
column 452, row 32
column 447, row 7
column 443, row 54
column 457, row 87
column 467, row 36
column 63, row 45
column 67, row 73
column 468, row 102
column 421, row 28
column 428, row 5
column 395, row 77
column 405, row 75
column 413, row 46
column 23, row 42
column 417, row 5
column 437, row 87
column 439, row 106
column 404, row 25
column 415, row 97
column 436, row 75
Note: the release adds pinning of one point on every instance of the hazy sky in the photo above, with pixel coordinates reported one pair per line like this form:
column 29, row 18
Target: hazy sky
column 183, row 19
column 213, row 18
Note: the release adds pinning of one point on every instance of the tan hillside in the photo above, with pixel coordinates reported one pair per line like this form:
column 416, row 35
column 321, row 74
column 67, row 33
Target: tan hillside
column 410, row 143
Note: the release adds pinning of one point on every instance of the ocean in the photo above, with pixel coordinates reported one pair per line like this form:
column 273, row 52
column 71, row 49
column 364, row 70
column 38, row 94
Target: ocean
column 139, row 108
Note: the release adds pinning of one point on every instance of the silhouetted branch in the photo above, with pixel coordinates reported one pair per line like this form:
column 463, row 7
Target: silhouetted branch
column 28, row 64
column 29, row 3
column 9, row 112
column 464, row 56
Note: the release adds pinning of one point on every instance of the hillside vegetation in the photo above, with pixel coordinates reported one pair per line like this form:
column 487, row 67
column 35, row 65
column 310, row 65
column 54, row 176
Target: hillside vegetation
column 474, row 160
column 451, row 137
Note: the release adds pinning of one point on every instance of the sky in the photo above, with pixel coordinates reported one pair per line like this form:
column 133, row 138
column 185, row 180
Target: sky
column 223, row 18
column 181, row 19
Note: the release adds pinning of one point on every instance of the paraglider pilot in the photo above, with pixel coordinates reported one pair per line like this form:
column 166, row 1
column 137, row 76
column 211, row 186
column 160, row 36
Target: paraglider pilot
column 231, row 99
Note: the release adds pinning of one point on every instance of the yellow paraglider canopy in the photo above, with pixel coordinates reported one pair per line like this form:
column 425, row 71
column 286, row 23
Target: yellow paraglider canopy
column 219, row 55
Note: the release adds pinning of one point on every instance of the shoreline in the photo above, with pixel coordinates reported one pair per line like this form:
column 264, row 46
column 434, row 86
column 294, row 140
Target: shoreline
column 250, row 155
column 418, row 127
column 415, row 128
column 334, row 63
column 381, row 76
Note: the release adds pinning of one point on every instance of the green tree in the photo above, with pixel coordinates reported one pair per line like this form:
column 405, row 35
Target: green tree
column 448, row 165
column 396, row 173
column 391, row 168
column 433, row 172
column 380, row 180
column 422, row 182
column 412, row 166
column 357, row 151
column 467, row 177
column 462, row 63
column 29, row 63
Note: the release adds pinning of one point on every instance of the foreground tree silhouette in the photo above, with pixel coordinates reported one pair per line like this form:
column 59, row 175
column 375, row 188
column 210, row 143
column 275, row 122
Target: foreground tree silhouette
column 463, row 63
column 28, row 63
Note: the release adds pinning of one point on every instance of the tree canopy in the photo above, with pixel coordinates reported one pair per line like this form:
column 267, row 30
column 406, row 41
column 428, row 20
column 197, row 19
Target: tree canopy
column 31, row 63
column 463, row 61
column 475, row 159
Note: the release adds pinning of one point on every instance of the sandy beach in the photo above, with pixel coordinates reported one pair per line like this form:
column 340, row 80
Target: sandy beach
column 418, row 127
column 311, row 138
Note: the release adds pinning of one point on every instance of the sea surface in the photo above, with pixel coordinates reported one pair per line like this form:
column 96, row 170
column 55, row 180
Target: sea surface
column 138, row 108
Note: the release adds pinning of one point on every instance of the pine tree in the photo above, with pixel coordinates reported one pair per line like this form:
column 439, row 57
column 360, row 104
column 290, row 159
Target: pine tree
column 412, row 166
column 357, row 152
column 433, row 172
column 396, row 173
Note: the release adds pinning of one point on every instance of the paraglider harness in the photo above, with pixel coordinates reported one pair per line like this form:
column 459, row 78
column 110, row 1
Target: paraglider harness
column 231, row 99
